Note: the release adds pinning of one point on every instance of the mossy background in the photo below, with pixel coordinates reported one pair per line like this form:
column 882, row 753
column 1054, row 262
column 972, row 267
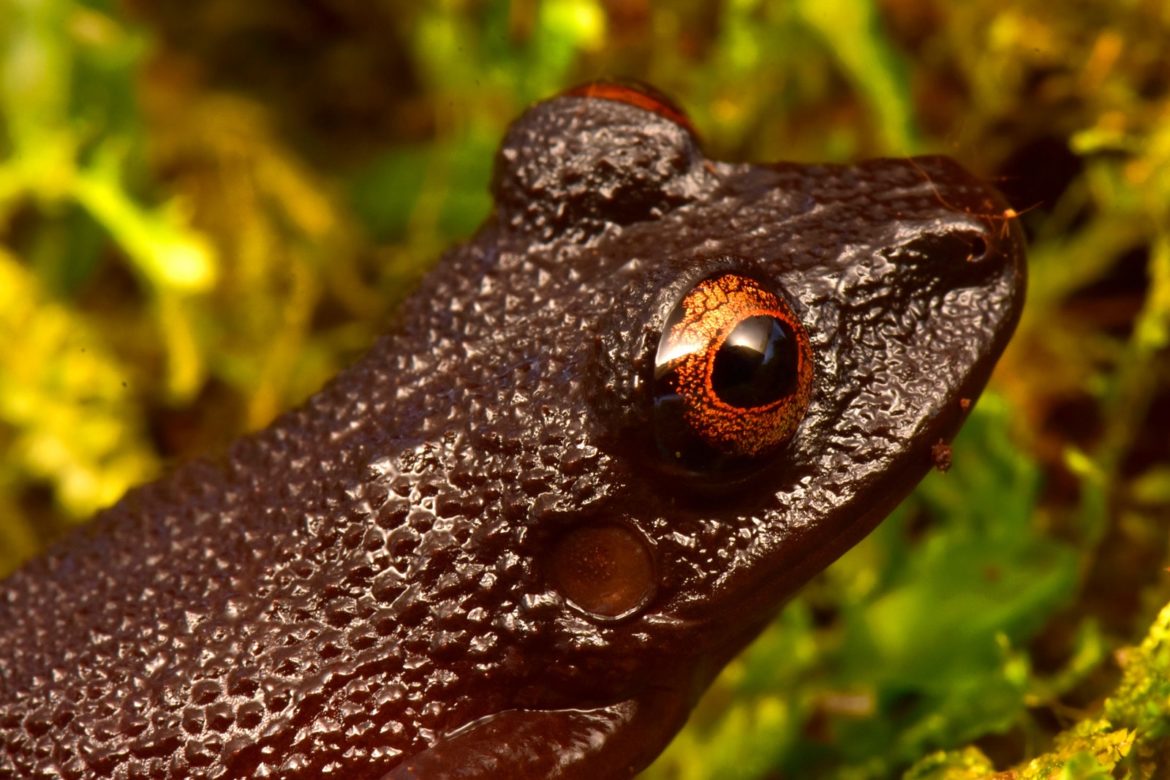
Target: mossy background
column 206, row 209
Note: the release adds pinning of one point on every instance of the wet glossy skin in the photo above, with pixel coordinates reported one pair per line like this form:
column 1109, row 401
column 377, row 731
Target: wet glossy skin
column 471, row 555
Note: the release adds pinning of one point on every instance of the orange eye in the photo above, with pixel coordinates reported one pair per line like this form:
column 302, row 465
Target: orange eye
column 732, row 377
column 639, row 95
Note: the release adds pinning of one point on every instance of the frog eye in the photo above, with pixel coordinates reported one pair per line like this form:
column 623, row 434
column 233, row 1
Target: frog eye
column 637, row 95
column 732, row 376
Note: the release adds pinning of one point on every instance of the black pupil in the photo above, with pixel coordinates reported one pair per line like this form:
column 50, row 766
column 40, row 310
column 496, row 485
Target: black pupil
column 756, row 364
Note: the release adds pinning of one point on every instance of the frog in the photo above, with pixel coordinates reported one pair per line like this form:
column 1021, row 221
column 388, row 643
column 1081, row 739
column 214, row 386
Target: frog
column 602, row 444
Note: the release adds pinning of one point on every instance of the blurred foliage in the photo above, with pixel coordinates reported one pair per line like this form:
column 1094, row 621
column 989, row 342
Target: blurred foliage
column 207, row 209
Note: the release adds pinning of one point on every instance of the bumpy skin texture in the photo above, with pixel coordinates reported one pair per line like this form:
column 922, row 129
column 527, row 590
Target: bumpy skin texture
column 363, row 588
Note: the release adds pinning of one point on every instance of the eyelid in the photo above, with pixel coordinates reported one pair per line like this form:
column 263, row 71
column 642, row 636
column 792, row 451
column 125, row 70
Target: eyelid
column 637, row 95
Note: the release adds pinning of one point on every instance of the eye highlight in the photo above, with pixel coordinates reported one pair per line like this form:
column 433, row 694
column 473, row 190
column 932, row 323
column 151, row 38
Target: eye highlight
column 732, row 376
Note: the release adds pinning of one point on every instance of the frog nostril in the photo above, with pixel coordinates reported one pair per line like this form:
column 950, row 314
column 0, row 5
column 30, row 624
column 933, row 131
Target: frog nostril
column 977, row 249
column 943, row 250
column 965, row 246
